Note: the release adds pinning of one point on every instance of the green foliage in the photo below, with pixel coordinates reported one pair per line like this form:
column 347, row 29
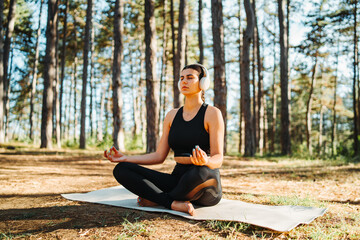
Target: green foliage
column 134, row 143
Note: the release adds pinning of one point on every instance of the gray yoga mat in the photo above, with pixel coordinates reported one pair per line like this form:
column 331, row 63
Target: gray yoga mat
column 278, row 218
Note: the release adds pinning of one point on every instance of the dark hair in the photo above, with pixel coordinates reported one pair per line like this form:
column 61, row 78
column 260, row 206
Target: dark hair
column 195, row 67
column 201, row 74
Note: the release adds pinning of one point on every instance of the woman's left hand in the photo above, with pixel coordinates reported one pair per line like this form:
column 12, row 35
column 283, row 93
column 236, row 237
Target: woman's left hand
column 199, row 157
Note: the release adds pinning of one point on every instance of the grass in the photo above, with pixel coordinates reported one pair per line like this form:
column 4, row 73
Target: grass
column 295, row 200
column 132, row 230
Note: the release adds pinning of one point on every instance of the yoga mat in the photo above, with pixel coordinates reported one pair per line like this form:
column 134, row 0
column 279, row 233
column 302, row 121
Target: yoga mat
column 278, row 218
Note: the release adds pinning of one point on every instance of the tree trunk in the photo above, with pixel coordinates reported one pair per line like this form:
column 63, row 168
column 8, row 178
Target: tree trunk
column 285, row 122
column 333, row 127
column 2, row 80
column 49, row 76
column 241, row 114
column 355, row 135
column 34, row 75
column 56, row 120
column 118, row 135
column 181, row 49
column 92, row 73
column 220, row 89
column 85, row 73
column 245, row 81
column 152, row 99
column 75, row 98
column 260, row 100
column 200, row 37
column 255, row 96
column 320, row 140
column 100, row 135
column 308, row 107
column 176, row 91
column 163, row 64
column 63, row 58
column 274, row 103
column 7, row 43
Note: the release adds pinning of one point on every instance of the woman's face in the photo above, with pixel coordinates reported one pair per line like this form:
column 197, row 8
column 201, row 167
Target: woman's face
column 189, row 81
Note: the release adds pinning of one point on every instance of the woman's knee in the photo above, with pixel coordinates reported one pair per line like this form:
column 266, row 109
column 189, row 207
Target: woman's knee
column 203, row 173
column 121, row 169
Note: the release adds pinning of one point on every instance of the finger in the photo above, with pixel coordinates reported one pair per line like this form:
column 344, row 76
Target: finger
column 114, row 149
column 192, row 160
column 198, row 153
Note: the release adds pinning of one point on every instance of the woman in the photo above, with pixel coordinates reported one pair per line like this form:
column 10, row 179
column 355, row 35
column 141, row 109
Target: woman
column 195, row 132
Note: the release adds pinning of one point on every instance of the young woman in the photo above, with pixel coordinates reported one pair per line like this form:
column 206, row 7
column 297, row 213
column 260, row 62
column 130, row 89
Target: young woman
column 195, row 132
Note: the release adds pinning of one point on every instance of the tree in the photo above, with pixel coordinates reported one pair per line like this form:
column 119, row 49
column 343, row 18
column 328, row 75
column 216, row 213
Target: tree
column 200, row 37
column 85, row 71
column 181, row 49
column 34, row 74
column 63, row 58
column 118, row 136
column 220, row 89
column 355, row 75
column 8, row 35
column 2, row 135
column 245, row 81
column 285, row 122
column 260, row 98
column 49, row 76
column 152, row 99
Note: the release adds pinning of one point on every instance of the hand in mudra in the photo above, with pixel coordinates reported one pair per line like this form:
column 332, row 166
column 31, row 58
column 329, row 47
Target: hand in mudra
column 199, row 157
column 113, row 155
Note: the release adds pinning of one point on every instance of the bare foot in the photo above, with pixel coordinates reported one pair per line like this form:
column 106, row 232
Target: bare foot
column 183, row 206
column 146, row 203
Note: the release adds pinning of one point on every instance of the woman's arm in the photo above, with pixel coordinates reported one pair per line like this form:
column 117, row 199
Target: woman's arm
column 215, row 126
column 151, row 158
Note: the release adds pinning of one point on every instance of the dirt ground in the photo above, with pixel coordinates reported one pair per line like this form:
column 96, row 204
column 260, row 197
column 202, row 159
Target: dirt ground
column 32, row 180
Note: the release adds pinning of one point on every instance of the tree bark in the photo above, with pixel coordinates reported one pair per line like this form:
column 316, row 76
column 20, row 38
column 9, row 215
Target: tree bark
column 92, row 74
column 7, row 43
column 274, row 102
column 34, row 75
column 200, row 37
column 176, row 92
column 241, row 115
column 245, row 81
column 260, row 98
column 56, row 115
column 85, row 73
column 333, row 127
column 163, row 64
column 220, row 89
column 152, row 99
column 100, row 135
column 285, row 122
column 63, row 58
column 2, row 80
column 49, row 76
column 356, row 133
column 118, row 135
column 308, row 107
column 181, row 49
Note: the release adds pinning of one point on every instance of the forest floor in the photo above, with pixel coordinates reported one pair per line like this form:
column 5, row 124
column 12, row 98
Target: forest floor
column 32, row 180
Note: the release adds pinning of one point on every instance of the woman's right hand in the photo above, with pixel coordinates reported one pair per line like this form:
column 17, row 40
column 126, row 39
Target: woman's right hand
column 114, row 155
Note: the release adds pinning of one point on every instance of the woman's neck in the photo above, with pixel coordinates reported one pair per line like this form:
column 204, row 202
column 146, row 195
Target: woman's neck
column 192, row 103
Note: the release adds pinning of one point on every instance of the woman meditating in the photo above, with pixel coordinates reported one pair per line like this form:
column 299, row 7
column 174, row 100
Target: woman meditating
column 195, row 132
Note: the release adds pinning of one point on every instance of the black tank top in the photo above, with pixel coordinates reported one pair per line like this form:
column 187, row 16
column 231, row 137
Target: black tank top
column 185, row 135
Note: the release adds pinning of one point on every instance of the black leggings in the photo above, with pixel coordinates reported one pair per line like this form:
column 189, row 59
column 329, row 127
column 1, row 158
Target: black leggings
column 198, row 184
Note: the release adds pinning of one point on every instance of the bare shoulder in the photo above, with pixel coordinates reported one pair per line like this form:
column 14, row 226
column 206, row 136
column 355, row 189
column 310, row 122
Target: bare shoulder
column 170, row 116
column 213, row 114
